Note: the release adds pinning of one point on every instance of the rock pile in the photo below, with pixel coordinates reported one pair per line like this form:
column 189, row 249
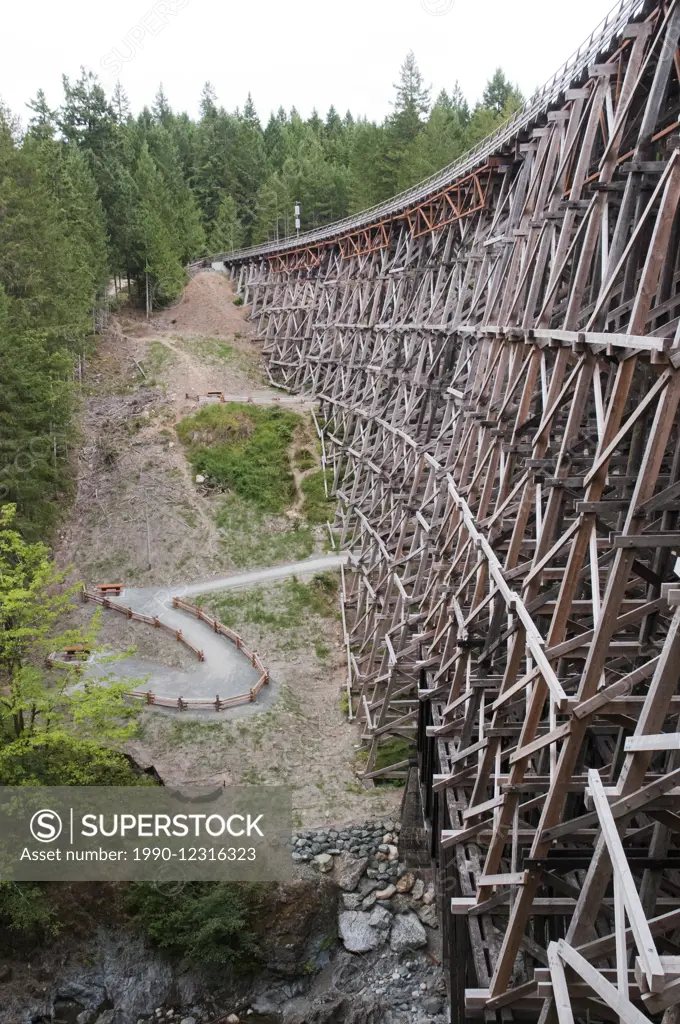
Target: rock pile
column 361, row 840
column 374, row 914
column 382, row 901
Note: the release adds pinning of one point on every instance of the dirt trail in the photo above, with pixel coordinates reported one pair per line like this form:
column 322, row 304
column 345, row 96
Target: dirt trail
column 137, row 501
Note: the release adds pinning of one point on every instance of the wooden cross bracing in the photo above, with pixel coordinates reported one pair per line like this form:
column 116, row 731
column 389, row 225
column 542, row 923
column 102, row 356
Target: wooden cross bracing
column 497, row 363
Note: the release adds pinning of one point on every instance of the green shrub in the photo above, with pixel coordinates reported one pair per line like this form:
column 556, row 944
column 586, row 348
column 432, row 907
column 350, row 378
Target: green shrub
column 26, row 907
column 57, row 759
column 245, row 449
column 238, row 301
column 304, row 459
column 207, row 922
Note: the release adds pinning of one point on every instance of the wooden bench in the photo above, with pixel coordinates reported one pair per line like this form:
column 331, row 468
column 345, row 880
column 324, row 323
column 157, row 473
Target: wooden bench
column 110, row 589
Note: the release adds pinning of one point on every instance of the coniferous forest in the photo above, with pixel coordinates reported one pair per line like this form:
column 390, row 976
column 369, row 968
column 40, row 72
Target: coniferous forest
column 91, row 194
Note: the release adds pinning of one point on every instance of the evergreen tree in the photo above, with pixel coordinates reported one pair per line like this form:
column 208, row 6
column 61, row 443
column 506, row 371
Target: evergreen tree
column 334, row 124
column 43, row 123
column 208, row 104
column 86, row 118
column 315, row 122
column 157, row 248
column 227, row 231
column 250, row 114
column 405, row 124
column 442, row 141
column 413, row 100
column 186, row 219
column 161, row 110
column 500, row 94
column 273, row 210
column 120, row 103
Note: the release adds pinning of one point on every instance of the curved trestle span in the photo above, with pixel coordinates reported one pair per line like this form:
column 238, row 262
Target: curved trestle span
column 497, row 359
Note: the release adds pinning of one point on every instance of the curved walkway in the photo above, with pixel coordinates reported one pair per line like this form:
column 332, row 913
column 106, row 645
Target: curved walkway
column 226, row 671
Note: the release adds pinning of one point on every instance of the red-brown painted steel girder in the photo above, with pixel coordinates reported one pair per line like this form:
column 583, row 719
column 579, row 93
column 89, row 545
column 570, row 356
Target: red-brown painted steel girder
column 460, row 200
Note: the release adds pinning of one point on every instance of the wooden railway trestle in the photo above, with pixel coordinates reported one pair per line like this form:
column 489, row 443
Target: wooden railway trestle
column 500, row 396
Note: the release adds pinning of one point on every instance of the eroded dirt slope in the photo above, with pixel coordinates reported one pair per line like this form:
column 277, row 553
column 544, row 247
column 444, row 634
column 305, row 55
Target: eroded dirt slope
column 140, row 519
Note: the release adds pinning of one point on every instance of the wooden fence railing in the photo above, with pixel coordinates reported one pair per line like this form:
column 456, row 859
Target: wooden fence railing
column 150, row 620
column 219, row 703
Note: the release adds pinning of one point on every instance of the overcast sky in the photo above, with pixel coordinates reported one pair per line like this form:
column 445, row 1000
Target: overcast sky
column 306, row 53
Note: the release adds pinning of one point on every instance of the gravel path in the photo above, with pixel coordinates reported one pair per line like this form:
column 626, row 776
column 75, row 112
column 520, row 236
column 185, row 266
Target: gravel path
column 226, row 672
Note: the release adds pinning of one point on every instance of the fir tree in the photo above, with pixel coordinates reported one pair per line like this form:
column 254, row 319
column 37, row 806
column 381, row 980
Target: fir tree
column 413, row 100
column 158, row 250
column 500, row 94
column 227, row 232
column 250, row 114
column 120, row 103
column 43, row 123
column 208, row 104
column 161, row 110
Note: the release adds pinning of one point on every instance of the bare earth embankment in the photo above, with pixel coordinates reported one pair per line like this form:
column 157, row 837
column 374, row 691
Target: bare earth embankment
column 141, row 519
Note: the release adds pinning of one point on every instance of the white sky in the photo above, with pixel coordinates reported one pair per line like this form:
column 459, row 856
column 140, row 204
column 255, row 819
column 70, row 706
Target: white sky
column 293, row 52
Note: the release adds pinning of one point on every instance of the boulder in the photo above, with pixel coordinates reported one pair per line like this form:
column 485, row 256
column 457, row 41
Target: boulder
column 357, row 932
column 380, row 918
column 407, row 933
column 387, row 893
column 406, row 882
column 400, row 903
column 349, row 870
column 323, row 863
column 428, row 915
column 418, row 889
column 352, row 900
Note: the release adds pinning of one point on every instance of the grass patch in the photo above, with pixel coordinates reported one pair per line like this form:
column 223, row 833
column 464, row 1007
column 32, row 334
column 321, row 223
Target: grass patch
column 244, row 449
column 293, row 603
column 158, row 358
column 217, row 350
column 322, row 652
column 304, row 459
column 317, row 508
column 392, row 751
column 250, row 539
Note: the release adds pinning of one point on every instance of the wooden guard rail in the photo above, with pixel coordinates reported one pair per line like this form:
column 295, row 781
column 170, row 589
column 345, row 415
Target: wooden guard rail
column 218, row 704
column 150, row 620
